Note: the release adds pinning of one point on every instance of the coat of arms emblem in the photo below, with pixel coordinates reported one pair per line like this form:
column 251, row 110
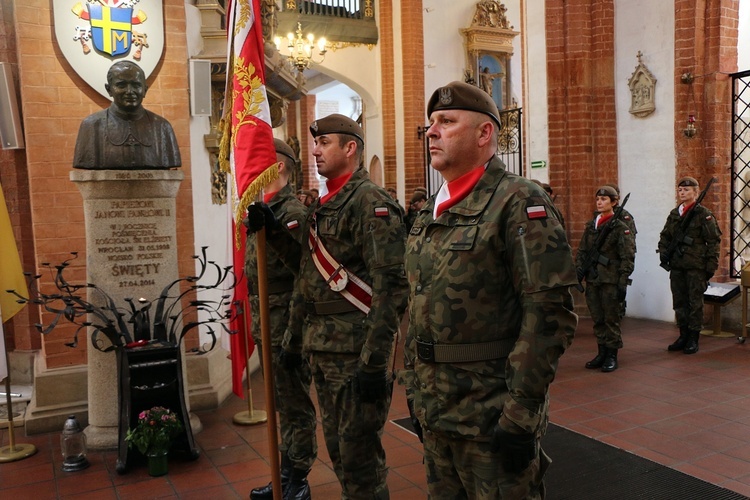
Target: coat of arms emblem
column 93, row 34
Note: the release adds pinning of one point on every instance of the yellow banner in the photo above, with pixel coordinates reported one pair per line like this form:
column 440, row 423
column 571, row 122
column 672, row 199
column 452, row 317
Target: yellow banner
column 11, row 273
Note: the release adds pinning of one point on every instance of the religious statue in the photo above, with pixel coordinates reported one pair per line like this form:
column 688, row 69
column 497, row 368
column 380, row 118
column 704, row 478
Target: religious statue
column 126, row 136
column 486, row 78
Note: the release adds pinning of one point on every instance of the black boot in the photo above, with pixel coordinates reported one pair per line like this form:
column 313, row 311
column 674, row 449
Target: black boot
column 610, row 361
column 299, row 488
column 266, row 492
column 598, row 360
column 679, row 344
column 691, row 346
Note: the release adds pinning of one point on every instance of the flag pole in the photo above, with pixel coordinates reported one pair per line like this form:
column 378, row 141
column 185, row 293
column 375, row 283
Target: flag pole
column 265, row 335
column 14, row 451
column 251, row 416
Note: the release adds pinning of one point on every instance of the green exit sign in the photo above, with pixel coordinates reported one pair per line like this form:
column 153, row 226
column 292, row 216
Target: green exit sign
column 538, row 164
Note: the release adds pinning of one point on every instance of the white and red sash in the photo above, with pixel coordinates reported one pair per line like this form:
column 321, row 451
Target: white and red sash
column 349, row 285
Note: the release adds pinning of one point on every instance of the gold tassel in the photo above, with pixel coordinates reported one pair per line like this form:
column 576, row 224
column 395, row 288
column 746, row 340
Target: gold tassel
column 251, row 194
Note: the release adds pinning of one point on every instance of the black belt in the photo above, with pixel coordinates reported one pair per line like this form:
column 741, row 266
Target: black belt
column 272, row 287
column 327, row 307
column 464, row 353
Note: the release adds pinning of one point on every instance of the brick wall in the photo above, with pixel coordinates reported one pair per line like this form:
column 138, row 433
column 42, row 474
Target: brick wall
column 15, row 184
column 582, row 127
column 414, row 98
column 706, row 47
column 54, row 101
column 388, row 103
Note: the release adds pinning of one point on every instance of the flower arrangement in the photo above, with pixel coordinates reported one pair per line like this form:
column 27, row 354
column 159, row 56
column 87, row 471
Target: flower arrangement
column 155, row 430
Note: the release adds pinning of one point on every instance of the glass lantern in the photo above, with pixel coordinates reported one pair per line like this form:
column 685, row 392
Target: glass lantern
column 73, row 446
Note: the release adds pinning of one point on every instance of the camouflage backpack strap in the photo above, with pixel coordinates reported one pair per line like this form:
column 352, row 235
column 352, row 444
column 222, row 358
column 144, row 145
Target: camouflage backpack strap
column 338, row 278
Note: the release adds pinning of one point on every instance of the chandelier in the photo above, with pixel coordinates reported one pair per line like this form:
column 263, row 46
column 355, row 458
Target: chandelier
column 299, row 49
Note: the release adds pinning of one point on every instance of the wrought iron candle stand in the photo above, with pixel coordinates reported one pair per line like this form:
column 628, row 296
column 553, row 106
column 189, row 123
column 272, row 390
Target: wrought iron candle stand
column 147, row 347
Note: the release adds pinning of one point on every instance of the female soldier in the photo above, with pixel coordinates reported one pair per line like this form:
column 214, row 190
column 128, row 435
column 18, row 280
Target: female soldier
column 607, row 278
column 691, row 264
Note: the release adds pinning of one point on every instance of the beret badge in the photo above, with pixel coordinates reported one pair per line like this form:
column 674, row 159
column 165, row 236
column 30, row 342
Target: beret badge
column 446, row 96
column 314, row 126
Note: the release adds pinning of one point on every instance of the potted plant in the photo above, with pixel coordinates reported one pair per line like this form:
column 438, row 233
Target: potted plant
column 153, row 436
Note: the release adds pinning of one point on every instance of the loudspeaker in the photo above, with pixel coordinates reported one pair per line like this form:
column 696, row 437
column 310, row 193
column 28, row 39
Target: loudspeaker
column 200, row 87
column 10, row 123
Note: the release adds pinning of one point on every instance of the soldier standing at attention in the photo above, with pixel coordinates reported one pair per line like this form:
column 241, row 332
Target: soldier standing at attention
column 607, row 277
column 489, row 271
column 692, row 264
column 292, row 384
column 350, row 295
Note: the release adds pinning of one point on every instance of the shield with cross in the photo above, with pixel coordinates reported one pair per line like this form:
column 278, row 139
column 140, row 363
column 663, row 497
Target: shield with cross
column 93, row 34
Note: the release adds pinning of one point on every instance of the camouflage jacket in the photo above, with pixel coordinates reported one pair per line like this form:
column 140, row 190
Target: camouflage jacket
column 290, row 212
column 618, row 247
column 703, row 252
column 494, row 267
column 370, row 245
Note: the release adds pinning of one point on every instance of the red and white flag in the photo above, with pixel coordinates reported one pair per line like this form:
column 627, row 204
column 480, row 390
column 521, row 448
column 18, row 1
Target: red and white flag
column 246, row 151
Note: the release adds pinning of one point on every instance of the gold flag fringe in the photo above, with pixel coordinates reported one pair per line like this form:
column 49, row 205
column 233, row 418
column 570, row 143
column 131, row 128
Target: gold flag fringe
column 250, row 195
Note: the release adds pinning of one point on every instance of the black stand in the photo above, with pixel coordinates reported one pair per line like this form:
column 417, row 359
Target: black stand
column 149, row 376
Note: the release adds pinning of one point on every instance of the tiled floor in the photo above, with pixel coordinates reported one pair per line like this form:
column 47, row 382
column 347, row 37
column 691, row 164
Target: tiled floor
column 691, row 413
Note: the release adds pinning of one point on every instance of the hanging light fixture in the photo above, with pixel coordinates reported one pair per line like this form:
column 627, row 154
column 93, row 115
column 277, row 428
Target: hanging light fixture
column 299, row 49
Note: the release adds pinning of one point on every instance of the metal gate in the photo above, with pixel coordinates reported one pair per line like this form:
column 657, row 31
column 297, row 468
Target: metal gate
column 740, row 217
column 509, row 148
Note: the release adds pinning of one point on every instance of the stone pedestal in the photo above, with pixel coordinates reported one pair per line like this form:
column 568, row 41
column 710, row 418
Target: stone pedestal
column 131, row 252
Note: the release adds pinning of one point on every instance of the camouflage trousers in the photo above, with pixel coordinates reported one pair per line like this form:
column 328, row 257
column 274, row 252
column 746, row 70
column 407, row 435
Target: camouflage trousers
column 464, row 469
column 352, row 429
column 606, row 312
column 297, row 419
column 688, row 287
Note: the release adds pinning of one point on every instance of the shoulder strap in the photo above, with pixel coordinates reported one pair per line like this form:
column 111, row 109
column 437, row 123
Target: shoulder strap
column 349, row 285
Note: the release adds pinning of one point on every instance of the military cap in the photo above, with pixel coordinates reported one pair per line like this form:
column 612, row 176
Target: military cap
column 614, row 186
column 284, row 149
column 460, row 95
column 607, row 190
column 418, row 196
column 688, row 181
column 336, row 124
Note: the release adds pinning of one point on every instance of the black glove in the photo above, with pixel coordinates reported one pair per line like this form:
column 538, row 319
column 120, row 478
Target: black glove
column 371, row 386
column 516, row 450
column 289, row 360
column 580, row 274
column 622, row 292
column 709, row 275
column 260, row 215
column 664, row 261
column 414, row 420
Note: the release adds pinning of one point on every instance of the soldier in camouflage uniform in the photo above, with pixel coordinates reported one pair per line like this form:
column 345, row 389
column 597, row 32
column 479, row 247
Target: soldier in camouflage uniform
column 349, row 340
column 628, row 219
column 292, row 386
column 490, row 311
column 607, row 275
column 693, row 263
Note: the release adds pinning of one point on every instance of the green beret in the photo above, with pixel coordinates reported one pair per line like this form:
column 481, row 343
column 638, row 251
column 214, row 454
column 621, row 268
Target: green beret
column 460, row 95
column 607, row 190
column 687, row 181
column 284, row 149
column 336, row 124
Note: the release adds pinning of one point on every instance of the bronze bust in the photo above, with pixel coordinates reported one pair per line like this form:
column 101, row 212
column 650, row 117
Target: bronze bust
column 126, row 136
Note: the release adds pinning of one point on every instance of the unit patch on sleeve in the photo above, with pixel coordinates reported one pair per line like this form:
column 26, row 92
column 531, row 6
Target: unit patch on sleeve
column 536, row 212
column 292, row 224
column 381, row 211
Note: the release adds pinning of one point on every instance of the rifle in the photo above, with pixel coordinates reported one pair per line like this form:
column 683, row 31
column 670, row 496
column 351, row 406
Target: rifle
column 680, row 237
column 593, row 257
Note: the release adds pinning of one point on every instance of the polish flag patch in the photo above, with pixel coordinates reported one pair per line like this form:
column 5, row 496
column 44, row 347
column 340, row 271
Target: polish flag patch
column 292, row 224
column 536, row 212
column 381, row 211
